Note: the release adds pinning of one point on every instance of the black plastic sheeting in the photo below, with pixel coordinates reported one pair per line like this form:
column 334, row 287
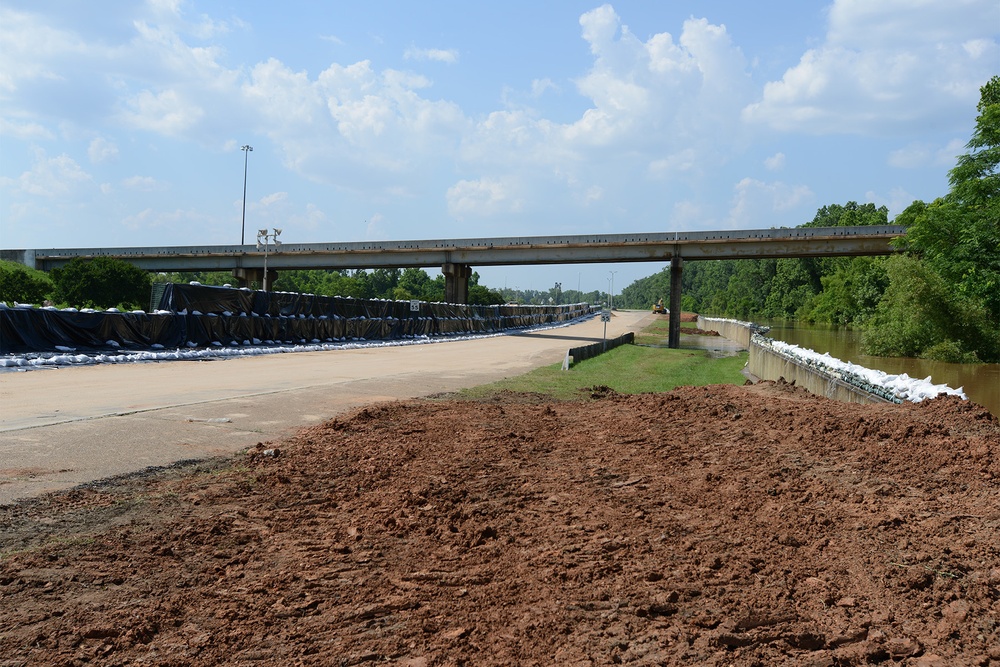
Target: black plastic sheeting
column 200, row 316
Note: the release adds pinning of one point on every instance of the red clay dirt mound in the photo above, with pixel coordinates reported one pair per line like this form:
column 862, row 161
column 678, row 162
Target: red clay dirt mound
column 706, row 526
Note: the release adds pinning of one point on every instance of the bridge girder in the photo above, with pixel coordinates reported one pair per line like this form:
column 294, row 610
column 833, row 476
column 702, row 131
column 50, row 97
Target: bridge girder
column 580, row 249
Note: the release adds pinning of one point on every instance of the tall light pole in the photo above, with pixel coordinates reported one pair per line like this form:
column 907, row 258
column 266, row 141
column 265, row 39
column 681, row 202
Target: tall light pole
column 611, row 298
column 262, row 235
column 247, row 149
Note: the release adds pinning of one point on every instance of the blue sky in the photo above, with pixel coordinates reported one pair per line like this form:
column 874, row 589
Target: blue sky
column 419, row 120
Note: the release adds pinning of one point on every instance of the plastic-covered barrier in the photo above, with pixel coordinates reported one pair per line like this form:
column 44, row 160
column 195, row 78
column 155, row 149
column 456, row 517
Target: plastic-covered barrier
column 198, row 316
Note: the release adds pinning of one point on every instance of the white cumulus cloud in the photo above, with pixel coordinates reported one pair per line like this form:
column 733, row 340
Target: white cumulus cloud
column 775, row 162
column 896, row 201
column 49, row 176
column 102, row 150
column 886, row 67
column 439, row 55
column 921, row 154
column 24, row 130
column 141, row 183
column 165, row 112
column 481, row 198
column 755, row 202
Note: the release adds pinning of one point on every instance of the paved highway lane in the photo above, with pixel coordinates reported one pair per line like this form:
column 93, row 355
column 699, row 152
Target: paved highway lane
column 65, row 427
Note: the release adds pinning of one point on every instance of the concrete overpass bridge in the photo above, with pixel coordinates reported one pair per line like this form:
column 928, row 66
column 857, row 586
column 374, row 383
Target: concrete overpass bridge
column 456, row 257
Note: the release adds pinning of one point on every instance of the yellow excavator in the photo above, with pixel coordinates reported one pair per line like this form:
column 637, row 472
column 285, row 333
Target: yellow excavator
column 658, row 308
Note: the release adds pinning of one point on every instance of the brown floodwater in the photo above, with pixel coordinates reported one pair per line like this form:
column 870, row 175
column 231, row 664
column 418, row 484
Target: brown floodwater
column 980, row 382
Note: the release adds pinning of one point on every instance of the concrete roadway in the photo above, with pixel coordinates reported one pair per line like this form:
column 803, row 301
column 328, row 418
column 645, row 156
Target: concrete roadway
column 64, row 427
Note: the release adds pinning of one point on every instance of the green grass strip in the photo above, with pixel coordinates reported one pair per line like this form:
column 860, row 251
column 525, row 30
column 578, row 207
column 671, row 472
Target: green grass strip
column 629, row 369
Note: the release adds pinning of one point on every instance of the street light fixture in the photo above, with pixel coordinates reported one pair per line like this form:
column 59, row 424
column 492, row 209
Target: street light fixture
column 247, row 149
column 262, row 235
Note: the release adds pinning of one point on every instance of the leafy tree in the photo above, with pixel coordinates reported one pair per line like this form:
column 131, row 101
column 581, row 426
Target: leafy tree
column 920, row 316
column 771, row 288
column 975, row 180
column 218, row 278
column 416, row 284
column 702, row 281
column 851, row 293
column 21, row 285
column 413, row 283
column 379, row 283
column 480, row 294
column 643, row 293
column 842, row 287
column 101, row 282
column 957, row 237
column 791, row 290
column 435, row 289
column 851, row 214
column 325, row 282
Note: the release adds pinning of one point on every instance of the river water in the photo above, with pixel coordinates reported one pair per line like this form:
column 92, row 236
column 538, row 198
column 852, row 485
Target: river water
column 981, row 382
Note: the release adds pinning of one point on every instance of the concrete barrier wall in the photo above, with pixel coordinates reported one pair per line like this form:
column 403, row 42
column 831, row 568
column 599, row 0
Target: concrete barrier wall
column 766, row 363
column 578, row 354
column 733, row 330
column 769, row 364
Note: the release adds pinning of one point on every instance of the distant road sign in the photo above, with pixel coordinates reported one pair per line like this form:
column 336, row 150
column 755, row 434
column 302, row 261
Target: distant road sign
column 605, row 316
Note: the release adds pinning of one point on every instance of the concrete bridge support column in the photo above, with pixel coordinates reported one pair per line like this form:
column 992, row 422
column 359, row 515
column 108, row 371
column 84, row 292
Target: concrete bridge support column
column 456, row 282
column 674, row 334
column 254, row 277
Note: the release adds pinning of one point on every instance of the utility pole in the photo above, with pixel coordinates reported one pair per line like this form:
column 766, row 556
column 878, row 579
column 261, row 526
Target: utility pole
column 247, row 149
column 262, row 235
column 611, row 297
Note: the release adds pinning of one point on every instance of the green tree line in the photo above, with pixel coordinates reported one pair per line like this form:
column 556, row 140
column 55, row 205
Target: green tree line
column 938, row 298
column 106, row 282
column 397, row 284
column 839, row 290
column 102, row 282
column 384, row 283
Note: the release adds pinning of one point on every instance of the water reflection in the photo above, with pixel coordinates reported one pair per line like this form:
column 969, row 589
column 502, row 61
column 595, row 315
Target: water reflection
column 981, row 382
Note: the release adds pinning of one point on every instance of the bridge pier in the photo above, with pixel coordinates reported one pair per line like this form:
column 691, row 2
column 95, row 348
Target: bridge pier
column 456, row 282
column 254, row 277
column 674, row 332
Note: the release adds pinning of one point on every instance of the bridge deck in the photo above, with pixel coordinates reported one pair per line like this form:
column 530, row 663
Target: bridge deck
column 576, row 249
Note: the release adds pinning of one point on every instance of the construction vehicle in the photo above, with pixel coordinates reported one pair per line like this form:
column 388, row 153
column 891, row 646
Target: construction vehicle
column 658, row 308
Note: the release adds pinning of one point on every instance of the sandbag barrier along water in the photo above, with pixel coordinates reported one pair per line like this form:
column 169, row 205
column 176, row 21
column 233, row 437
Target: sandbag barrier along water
column 894, row 388
column 865, row 382
column 200, row 316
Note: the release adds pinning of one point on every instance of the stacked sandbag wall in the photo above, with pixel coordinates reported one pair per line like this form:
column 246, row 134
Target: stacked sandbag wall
column 199, row 315
column 768, row 363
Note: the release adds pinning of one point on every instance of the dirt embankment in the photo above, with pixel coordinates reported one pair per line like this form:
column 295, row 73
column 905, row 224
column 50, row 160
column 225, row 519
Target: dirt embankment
column 706, row 526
